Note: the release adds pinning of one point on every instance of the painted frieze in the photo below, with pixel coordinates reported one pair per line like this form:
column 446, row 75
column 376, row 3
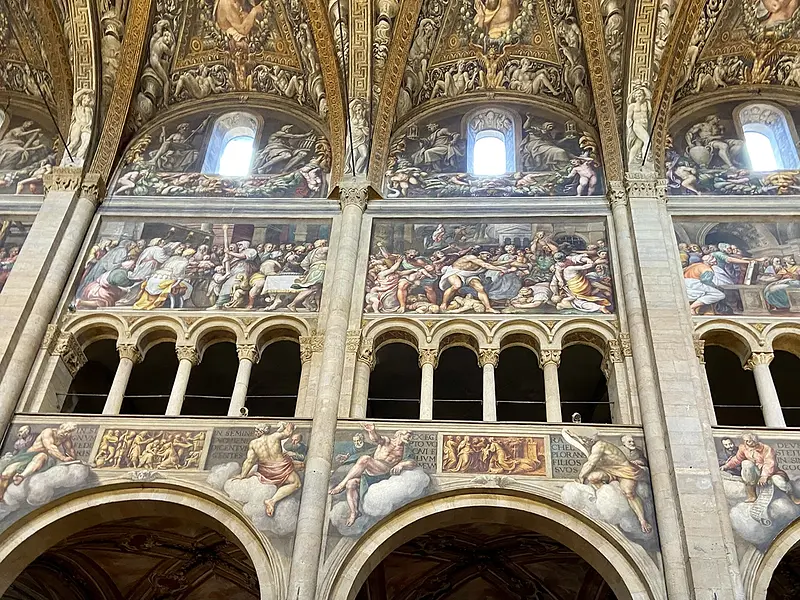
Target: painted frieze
column 27, row 154
column 740, row 268
column 205, row 266
column 12, row 236
column 475, row 267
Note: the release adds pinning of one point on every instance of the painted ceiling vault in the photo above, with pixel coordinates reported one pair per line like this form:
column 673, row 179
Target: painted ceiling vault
column 362, row 71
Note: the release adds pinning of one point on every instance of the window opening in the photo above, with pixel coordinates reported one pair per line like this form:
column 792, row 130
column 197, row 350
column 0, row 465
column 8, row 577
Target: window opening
column 237, row 156
column 489, row 154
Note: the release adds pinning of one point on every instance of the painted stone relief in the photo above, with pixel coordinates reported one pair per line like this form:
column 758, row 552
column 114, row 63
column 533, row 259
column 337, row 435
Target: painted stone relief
column 544, row 157
column 205, row 266
column 12, row 236
column 150, row 449
column 27, row 154
column 289, row 160
column 740, row 268
column 479, row 267
column 761, row 478
column 708, row 155
column 493, row 455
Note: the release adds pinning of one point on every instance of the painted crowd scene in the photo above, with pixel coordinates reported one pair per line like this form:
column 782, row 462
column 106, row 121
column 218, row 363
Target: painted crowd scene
column 12, row 236
column 483, row 267
column 150, row 266
column 738, row 267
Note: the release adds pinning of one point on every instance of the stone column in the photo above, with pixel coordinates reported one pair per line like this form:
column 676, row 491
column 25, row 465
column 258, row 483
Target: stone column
column 617, row 384
column 129, row 355
column 549, row 361
column 700, row 351
column 428, row 359
column 365, row 363
column 306, row 354
column 43, row 264
column 758, row 363
column 488, row 359
column 187, row 358
column 311, row 518
column 248, row 356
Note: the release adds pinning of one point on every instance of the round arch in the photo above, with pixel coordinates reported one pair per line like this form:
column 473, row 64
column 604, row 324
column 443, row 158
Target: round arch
column 54, row 522
column 786, row 541
column 629, row 578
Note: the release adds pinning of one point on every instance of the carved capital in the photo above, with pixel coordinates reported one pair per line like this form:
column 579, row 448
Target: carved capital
column 758, row 358
column 488, row 356
column 550, row 356
column 646, row 185
column 70, row 351
column 188, row 353
column 429, row 356
column 310, row 344
column 50, row 337
column 700, row 349
column 614, row 353
column 93, row 188
column 247, row 352
column 366, row 353
column 63, row 179
column 129, row 351
column 352, row 341
column 616, row 194
column 353, row 196
column 625, row 344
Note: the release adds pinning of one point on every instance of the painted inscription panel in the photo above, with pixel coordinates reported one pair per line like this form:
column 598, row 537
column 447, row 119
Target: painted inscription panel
column 206, row 266
column 740, row 267
column 473, row 267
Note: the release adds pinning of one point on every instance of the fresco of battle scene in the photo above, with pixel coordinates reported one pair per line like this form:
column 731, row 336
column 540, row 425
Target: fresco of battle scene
column 475, row 267
column 740, row 268
column 761, row 476
column 12, row 236
column 205, row 266
column 27, row 154
column 708, row 155
column 545, row 157
column 289, row 160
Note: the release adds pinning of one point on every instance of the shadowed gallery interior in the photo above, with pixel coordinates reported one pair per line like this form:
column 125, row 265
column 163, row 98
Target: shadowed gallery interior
column 399, row 300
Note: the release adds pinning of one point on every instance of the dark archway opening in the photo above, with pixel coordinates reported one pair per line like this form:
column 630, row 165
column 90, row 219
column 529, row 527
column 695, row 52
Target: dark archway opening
column 519, row 386
column 89, row 388
column 733, row 390
column 583, row 385
column 784, row 368
column 785, row 581
column 486, row 561
column 458, row 386
column 151, row 382
column 211, row 382
column 394, row 384
column 275, row 381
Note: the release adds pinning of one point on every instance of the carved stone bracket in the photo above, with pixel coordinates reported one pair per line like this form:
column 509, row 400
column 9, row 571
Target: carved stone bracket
column 309, row 344
column 429, row 356
column 614, row 353
column 489, row 356
column 188, row 353
column 617, row 196
column 352, row 341
column 129, row 351
column 550, row 356
column 71, row 353
column 366, row 353
column 247, row 352
column 63, row 179
column 758, row 358
column 50, row 337
column 700, row 349
column 625, row 344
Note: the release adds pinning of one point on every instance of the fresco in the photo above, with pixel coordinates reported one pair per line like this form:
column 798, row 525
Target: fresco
column 740, row 268
column 708, row 155
column 547, row 156
column 150, row 449
column 289, row 160
column 476, row 267
column 205, row 266
column 495, row 455
column 27, row 154
column 12, row 236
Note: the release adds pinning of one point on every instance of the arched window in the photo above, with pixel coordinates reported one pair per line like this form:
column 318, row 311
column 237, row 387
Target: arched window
column 490, row 143
column 769, row 137
column 230, row 148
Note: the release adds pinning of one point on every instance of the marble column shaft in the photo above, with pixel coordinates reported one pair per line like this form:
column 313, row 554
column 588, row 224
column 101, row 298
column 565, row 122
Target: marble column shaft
column 427, row 362
column 187, row 358
column 488, row 360
column 248, row 356
column 758, row 363
column 128, row 356
column 360, row 397
column 549, row 361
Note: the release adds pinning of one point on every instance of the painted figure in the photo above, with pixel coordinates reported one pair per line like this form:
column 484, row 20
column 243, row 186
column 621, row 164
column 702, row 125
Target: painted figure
column 234, row 20
column 759, row 466
column 349, row 452
column 495, row 17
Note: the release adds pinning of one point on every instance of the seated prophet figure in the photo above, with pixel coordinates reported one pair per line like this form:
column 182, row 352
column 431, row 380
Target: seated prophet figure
column 759, row 466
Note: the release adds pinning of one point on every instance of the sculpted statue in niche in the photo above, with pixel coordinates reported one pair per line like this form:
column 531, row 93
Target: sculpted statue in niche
column 637, row 121
column 358, row 137
column 112, row 24
column 80, row 128
column 154, row 85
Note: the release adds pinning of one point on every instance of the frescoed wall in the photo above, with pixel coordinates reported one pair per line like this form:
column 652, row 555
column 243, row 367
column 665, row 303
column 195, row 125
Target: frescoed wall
column 27, row 154
column 545, row 155
column 473, row 267
column 290, row 158
column 206, row 266
column 12, row 236
column 740, row 267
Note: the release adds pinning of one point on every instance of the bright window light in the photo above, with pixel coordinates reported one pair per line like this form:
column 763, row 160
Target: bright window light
column 489, row 156
column 759, row 147
column 236, row 157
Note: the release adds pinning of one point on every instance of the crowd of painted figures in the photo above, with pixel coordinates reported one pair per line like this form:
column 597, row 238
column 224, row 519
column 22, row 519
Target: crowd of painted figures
column 458, row 278
column 712, row 269
column 157, row 273
column 495, row 455
column 151, row 450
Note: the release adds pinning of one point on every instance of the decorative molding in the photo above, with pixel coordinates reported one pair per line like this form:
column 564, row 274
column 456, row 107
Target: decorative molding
column 71, row 353
column 50, row 337
column 247, row 352
column 757, row 359
column 614, row 352
column 129, row 351
column 93, row 188
column 188, row 353
column 354, row 196
column 616, row 194
column 646, row 185
column 63, row 179
column 489, row 356
column 366, row 353
column 353, row 340
column 700, row 349
column 429, row 356
column 625, row 344
column 549, row 356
